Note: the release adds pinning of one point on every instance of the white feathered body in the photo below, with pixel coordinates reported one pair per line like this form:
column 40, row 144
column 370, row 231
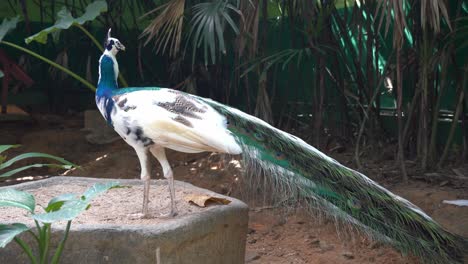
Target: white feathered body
column 170, row 119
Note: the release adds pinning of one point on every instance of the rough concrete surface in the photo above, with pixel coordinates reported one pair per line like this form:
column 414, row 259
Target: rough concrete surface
column 216, row 235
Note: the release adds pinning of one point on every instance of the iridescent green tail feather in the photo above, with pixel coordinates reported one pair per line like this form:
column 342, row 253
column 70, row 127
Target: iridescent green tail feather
column 297, row 168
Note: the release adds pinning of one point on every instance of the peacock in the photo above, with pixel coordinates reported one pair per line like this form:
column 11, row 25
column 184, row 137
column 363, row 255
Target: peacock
column 151, row 119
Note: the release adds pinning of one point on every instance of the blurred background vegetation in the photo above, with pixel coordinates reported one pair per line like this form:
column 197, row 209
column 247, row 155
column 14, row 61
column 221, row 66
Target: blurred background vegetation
column 366, row 73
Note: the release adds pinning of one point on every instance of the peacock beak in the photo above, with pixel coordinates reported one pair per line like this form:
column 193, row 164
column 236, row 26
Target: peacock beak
column 121, row 47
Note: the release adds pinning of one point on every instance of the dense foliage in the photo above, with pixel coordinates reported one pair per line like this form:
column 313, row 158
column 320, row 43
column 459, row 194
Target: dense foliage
column 369, row 71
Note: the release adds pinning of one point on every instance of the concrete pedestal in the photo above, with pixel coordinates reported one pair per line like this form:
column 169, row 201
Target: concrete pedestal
column 215, row 235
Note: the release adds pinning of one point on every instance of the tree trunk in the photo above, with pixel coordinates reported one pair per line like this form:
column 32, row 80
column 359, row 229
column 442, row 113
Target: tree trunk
column 401, row 157
column 459, row 107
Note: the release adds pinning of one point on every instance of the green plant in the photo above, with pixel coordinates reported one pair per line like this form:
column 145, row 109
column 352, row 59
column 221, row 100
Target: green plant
column 9, row 24
column 65, row 21
column 208, row 22
column 64, row 207
column 4, row 163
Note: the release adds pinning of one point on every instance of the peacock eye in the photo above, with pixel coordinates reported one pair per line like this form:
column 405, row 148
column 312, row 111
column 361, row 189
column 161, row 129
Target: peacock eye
column 354, row 203
column 259, row 136
column 279, row 155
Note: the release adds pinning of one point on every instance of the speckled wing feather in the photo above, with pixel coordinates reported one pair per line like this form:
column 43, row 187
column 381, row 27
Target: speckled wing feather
column 301, row 170
column 170, row 119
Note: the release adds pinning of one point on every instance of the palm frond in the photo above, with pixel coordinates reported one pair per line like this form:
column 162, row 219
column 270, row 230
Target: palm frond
column 208, row 23
column 283, row 58
column 431, row 13
column 166, row 28
column 393, row 12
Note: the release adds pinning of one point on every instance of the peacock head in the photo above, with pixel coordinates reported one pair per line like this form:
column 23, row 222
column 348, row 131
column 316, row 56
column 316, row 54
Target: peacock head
column 113, row 45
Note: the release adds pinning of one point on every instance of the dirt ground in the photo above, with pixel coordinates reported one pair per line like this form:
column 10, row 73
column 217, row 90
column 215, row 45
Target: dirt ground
column 275, row 235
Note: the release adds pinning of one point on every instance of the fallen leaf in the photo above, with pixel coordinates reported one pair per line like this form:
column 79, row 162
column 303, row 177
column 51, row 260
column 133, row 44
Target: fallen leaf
column 203, row 200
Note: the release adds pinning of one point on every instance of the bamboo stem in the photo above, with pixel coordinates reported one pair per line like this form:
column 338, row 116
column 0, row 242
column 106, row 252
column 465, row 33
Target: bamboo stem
column 453, row 127
column 435, row 111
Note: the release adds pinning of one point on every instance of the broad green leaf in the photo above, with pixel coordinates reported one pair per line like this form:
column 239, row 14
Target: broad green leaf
column 73, row 207
column 15, row 198
column 57, row 202
column 66, row 20
column 12, row 172
column 34, row 155
column 7, row 147
column 9, row 232
column 93, row 10
column 97, row 189
column 68, row 211
column 7, row 25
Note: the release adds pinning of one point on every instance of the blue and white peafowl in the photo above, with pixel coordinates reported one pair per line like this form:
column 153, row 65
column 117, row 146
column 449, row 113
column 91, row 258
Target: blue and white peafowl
column 151, row 119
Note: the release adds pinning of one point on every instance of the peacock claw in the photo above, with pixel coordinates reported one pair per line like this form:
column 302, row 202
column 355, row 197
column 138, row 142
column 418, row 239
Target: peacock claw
column 137, row 216
column 169, row 215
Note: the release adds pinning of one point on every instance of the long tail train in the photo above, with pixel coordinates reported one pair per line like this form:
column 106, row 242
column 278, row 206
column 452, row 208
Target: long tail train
column 341, row 192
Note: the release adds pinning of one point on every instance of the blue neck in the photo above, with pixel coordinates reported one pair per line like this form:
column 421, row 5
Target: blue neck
column 108, row 81
column 106, row 86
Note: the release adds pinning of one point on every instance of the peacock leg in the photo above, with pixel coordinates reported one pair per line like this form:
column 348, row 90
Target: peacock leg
column 145, row 176
column 160, row 154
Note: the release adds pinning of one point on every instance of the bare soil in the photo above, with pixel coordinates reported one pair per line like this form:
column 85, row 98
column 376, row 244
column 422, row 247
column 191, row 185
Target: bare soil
column 275, row 235
column 125, row 204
